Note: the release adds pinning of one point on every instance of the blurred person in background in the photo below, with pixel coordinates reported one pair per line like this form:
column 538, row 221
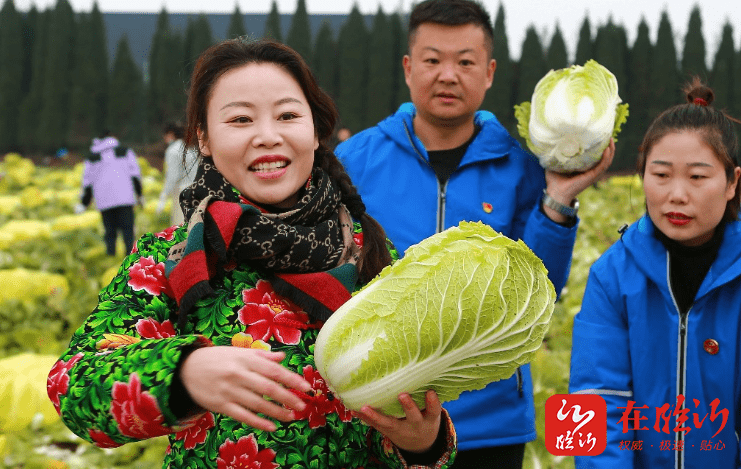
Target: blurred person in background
column 113, row 178
column 180, row 171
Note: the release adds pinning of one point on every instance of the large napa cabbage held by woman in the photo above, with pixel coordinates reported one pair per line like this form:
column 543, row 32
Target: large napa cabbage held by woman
column 463, row 308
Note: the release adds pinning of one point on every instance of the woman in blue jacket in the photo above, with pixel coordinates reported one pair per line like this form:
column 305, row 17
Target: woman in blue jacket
column 660, row 316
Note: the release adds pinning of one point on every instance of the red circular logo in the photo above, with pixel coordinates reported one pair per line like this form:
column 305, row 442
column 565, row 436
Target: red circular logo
column 711, row 346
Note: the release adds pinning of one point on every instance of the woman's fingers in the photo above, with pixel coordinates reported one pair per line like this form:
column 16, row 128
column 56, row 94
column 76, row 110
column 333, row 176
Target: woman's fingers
column 276, row 372
column 243, row 383
column 241, row 414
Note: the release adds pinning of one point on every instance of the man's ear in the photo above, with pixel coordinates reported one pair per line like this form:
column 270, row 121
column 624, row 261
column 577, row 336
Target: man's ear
column 490, row 73
column 406, row 62
column 203, row 143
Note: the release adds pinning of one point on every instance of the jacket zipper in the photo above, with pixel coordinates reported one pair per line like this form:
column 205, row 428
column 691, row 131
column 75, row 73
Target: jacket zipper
column 681, row 362
column 441, row 189
column 441, row 192
column 520, row 392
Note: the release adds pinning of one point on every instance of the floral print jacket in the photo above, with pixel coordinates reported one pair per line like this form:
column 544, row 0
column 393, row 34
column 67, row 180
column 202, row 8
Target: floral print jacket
column 112, row 386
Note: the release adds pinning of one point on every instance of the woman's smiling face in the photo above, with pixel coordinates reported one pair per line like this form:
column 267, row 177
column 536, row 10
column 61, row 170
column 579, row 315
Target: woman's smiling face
column 686, row 187
column 260, row 133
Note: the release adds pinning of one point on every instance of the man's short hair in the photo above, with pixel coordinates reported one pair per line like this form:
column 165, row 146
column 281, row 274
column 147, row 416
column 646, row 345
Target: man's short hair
column 451, row 13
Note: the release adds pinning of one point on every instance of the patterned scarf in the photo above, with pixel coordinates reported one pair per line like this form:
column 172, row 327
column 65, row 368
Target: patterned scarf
column 307, row 252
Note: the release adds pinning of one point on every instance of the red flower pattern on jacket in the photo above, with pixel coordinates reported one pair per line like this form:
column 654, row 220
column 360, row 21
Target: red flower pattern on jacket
column 167, row 234
column 151, row 329
column 266, row 314
column 149, row 276
column 245, row 454
column 136, row 411
column 102, row 440
column 196, row 431
column 320, row 402
column 57, row 383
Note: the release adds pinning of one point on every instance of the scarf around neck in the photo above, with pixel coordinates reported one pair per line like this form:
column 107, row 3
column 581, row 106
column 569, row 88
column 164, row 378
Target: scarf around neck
column 306, row 252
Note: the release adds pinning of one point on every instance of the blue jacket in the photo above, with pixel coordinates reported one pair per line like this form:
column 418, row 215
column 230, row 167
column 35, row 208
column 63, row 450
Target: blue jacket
column 497, row 182
column 631, row 343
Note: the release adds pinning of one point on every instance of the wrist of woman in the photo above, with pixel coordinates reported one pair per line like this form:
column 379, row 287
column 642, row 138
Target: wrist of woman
column 430, row 456
column 181, row 403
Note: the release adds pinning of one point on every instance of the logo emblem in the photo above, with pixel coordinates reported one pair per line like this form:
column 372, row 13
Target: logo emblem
column 575, row 424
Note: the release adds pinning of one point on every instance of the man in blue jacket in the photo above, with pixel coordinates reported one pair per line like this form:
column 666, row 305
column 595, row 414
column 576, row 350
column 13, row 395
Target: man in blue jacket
column 436, row 162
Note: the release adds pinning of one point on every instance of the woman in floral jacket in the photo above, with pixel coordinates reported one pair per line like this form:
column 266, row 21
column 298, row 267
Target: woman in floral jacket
column 207, row 332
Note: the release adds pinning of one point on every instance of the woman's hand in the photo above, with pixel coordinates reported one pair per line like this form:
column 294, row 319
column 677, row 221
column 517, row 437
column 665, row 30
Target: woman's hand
column 565, row 187
column 417, row 431
column 241, row 383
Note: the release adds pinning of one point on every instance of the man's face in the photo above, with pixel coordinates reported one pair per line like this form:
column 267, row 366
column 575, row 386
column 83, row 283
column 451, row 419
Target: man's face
column 448, row 72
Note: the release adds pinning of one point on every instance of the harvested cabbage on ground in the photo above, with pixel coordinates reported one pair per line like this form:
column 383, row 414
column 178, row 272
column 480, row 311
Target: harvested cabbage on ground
column 572, row 115
column 463, row 308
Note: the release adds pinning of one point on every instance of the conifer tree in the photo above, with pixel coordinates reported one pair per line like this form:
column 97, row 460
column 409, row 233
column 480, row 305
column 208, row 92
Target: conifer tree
column 399, row 90
column 299, row 35
column 637, row 95
column 30, row 30
column 500, row 97
column 665, row 73
column 167, row 77
column 29, row 115
column 584, row 47
column 198, row 38
column 87, row 114
column 735, row 107
column 380, row 81
column 532, row 65
column 53, row 119
column 236, row 24
column 556, row 57
column 353, row 59
column 693, row 56
column 611, row 51
column 11, row 75
column 125, row 95
column 325, row 60
column 722, row 77
column 272, row 24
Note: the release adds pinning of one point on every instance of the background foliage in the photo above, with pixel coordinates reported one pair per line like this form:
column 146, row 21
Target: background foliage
column 60, row 88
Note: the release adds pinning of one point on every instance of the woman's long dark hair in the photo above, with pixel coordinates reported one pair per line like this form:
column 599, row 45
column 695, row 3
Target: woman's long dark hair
column 235, row 53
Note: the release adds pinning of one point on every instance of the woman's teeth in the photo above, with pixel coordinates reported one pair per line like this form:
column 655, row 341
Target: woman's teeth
column 263, row 167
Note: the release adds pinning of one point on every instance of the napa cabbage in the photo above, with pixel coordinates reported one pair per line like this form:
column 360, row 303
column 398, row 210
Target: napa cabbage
column 572, row 115
column 463, row 308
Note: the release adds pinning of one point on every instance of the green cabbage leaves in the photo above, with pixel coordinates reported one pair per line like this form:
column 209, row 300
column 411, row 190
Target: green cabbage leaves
column 572, row 115
column 463, row 308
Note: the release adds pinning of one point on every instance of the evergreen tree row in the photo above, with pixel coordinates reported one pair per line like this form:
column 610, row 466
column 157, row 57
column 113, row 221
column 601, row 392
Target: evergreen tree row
column 58, row 90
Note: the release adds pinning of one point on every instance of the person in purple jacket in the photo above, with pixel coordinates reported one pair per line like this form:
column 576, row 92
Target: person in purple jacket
column 112, row 177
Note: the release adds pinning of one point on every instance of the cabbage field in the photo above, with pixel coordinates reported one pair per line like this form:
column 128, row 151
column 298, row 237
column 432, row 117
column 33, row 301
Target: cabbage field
column 53, row 264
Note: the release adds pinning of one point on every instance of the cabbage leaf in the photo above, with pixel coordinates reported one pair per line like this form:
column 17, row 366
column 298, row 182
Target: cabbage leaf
column 462, row 309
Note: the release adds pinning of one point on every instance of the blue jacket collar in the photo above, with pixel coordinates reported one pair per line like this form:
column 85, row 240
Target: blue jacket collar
column 650, row 255
column 492, row 142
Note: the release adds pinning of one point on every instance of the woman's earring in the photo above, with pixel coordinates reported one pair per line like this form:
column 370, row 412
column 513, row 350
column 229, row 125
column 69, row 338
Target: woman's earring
column 308, row 183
